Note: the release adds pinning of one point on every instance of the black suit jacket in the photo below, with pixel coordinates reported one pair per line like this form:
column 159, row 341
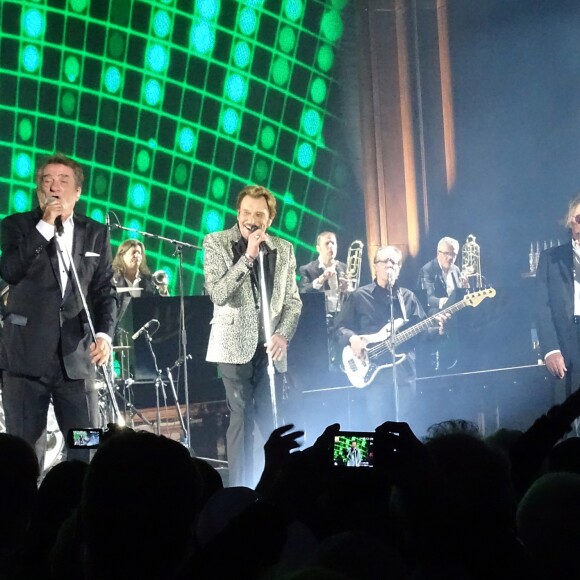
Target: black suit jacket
column 37, row 315
column 311, row 271
column 431, row 285
column 555, row 304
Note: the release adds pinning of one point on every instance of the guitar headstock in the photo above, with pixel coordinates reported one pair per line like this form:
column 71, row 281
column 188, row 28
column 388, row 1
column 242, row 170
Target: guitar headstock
column 475, row 298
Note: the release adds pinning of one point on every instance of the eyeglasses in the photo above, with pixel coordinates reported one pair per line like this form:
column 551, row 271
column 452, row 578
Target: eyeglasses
column 451, row 254
column 387, row 261
column 577, row 218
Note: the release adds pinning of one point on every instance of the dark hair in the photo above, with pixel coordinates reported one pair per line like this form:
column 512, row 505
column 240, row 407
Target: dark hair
column 324, row 234
column 61, row 159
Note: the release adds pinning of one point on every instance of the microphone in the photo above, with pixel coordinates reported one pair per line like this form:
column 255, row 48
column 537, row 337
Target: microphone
column 108, row 221
column 390, row 277
column 144, row 328
column 253, row 228
column 58, row 225
column 58, row 220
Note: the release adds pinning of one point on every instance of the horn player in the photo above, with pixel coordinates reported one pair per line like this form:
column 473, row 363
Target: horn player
column 325, row 274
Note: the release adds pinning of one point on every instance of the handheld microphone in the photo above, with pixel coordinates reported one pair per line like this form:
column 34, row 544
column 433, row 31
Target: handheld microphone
column 144, row 328
column 58, row 225
column 253, row 228
column 58, row 219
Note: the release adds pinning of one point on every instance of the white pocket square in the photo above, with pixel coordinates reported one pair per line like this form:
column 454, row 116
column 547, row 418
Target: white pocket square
column 91, row 255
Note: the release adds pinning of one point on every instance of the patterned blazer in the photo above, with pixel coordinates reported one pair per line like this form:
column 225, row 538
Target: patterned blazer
column 236, row 320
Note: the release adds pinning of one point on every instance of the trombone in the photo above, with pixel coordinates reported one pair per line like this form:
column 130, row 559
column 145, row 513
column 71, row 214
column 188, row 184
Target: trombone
column 351, row 279
column 471, row 261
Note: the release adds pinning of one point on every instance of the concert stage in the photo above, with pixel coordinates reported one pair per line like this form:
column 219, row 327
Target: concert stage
column 503, row 396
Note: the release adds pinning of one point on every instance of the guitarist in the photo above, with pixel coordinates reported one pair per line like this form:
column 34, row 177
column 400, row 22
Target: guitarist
column 367, row 311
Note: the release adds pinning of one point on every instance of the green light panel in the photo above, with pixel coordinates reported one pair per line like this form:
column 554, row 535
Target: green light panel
column 172, row 106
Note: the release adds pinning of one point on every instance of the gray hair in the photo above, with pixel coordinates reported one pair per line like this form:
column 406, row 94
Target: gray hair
column 447, row 241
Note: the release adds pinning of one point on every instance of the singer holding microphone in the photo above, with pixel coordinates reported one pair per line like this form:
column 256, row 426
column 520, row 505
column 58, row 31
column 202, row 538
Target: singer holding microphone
column 368, row 311
column 48, row 352
column 237, row 339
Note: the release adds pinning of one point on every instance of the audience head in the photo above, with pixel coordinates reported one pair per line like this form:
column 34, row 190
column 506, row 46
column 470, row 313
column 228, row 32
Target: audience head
column 565, row 456
column 19, row 474
column 547, row 523
column 141, row 495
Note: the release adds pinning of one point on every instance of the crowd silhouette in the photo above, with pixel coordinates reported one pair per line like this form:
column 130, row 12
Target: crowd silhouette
column 454, row 505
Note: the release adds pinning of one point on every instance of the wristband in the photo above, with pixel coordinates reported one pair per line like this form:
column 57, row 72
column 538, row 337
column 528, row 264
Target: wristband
column 248, row 260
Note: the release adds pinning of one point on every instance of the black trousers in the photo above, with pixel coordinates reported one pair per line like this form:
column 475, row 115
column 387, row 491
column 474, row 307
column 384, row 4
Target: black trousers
column 251, row 417
column 26, row 401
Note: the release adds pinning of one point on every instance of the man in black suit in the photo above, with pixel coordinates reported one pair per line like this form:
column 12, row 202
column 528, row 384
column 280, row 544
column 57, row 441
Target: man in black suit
column 558, row 306
column 440, row 278
column 439, row 285
column 325, row 274
column 48, row 352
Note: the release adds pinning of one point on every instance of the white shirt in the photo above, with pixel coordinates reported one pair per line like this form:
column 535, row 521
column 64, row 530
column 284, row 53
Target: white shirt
column 333, row 293
column 449, row 286
column 64, row 250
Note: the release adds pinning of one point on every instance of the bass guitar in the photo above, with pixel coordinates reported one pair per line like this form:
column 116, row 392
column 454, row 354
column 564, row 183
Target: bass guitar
column 380, row 345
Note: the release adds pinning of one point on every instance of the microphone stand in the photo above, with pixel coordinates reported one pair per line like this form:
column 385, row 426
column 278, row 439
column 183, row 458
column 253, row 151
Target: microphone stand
column 158, row 383
column 393, row 351
column 182, row 350
column 117, row 414
column 268, row 335
column 177, row 364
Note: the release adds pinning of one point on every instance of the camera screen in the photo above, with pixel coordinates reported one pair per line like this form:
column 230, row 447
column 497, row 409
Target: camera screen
column 353, row 449
column 88, row 438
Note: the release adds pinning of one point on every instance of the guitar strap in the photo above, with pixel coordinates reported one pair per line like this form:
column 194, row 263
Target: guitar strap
column 402, row 304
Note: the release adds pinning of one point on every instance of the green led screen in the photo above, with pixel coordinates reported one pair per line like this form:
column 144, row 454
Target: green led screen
column 172, row 106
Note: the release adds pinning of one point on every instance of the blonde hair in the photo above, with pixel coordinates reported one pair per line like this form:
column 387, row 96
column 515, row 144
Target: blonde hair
column 118, row 262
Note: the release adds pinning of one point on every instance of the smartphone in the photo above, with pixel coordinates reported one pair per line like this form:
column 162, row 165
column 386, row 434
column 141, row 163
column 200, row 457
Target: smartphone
column 84, row 438
column 353, row 449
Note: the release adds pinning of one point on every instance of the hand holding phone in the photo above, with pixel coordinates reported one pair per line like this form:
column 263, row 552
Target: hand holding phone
column 353, row 449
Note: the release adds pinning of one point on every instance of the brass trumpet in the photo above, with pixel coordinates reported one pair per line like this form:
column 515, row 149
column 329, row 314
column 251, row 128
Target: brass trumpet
column 161, row 281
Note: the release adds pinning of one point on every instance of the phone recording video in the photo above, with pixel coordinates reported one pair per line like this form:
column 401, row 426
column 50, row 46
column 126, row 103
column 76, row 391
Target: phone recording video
column 353, row 449
column 84, row 438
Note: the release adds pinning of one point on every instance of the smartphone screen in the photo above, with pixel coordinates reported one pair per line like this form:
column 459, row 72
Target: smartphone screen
column 84, row 438
column 353, row 449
